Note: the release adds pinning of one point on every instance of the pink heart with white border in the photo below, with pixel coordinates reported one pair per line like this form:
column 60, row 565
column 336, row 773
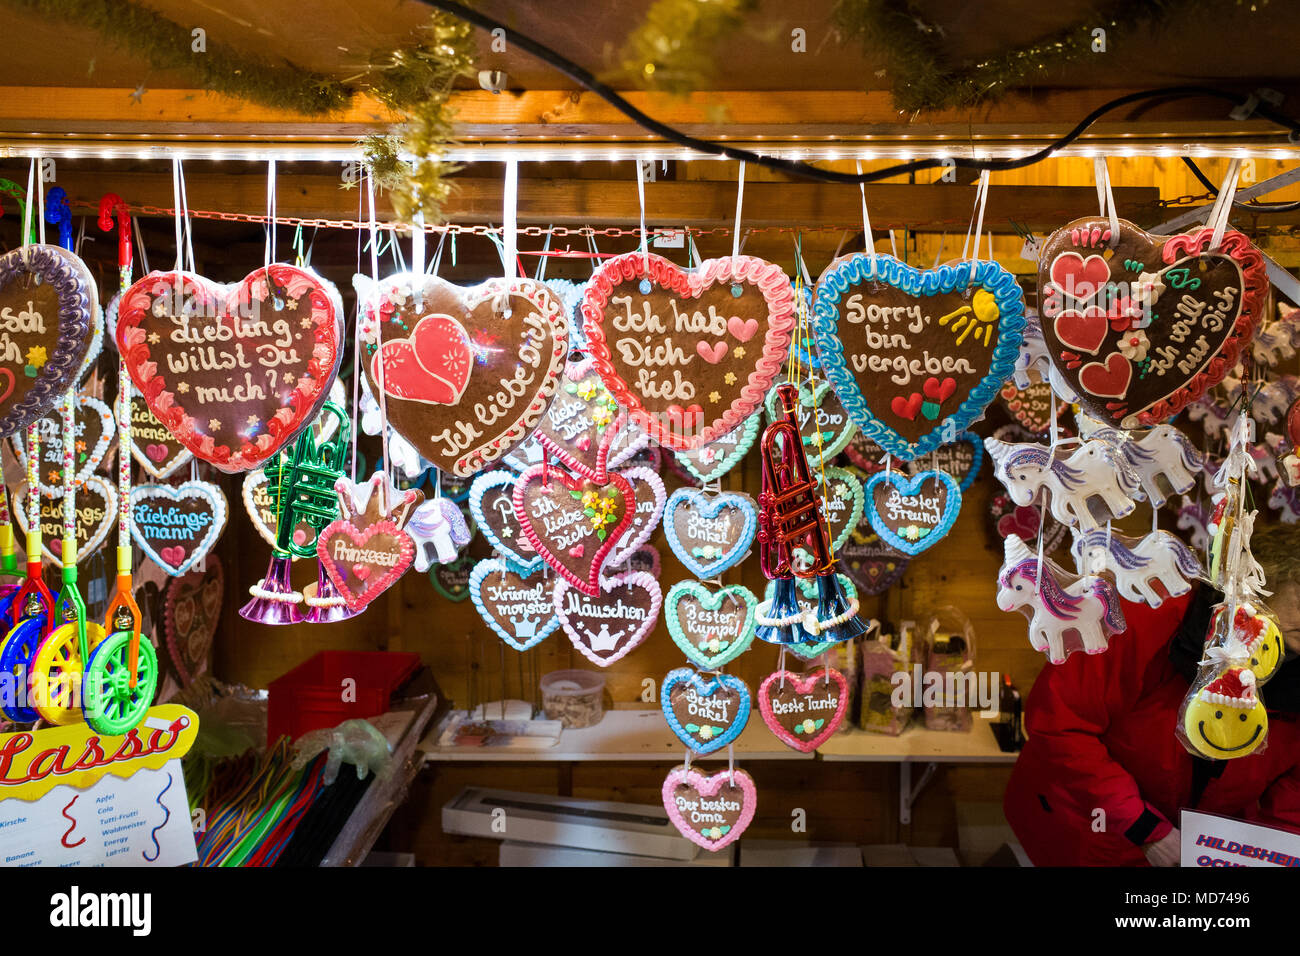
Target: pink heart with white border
column 710, row 811
column 803, row 710
column 607, row 627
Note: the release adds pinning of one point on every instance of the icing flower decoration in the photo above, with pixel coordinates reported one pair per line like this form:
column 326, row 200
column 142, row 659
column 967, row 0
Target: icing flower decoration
column 708, row 552
column 1121, row 314
column 37, row 356
column 730, row 378
column 1147, row 289
column 588, row 390
column 1133, row 345
column 602, row 415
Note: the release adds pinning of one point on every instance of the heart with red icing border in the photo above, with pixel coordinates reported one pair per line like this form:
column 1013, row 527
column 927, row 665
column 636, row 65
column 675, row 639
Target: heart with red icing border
column 233, row 372
column 381, row 548
column 683, row 357
column 803, row 710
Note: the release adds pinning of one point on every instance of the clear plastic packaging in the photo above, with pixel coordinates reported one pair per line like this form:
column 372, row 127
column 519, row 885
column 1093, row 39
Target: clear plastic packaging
column 950, row 656
column 575, row 698
column 883, row 657
column 1223, row 715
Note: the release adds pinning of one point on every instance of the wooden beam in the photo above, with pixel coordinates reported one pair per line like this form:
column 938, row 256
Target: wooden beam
column 696, row 203
column 564, row 115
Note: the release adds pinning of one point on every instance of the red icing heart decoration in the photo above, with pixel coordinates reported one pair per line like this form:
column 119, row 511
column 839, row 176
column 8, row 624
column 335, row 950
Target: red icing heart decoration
column 683, row 357
column 573, row 521
column 906, row 407
column 233, row 372
column 1139, row 325
column 1023, row 523
column 1083, row 331
column 467, row 373
column 939, row 391
column 803, row 710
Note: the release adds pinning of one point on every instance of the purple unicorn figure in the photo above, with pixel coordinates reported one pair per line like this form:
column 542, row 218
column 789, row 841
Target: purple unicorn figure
column 1088, row 607
column 438, row 529
column 1136, row 562
column 1093, row 472
column 1284, row 500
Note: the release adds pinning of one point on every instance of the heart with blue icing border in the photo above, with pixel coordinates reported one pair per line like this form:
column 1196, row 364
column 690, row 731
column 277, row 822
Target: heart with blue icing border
column 961, row 459
column 176, row 543
column 900, row 533
column 837, row 427
column 491, row 504
column 700, row 635
column 737, row 530
column 530, row 591
column 863, row 316
column 706, row 713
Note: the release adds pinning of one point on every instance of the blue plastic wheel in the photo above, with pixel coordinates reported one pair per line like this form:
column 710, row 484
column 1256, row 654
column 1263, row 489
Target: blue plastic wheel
column 16, row 654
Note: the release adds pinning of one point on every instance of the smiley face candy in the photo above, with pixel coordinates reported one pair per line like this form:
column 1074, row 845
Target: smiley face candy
column 1254, row 641
column 1226, row 719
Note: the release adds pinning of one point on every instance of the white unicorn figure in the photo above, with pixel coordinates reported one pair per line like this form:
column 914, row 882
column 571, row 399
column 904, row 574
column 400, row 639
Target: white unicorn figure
column 1265, row 470
column 1273, row 400
column 1284, row 500
column 1162, row 457
column 1094, row 471
column 1088, row 607
column 1136, row 562
column 1272, row 345
column 1192, row 518
column 1033, row 358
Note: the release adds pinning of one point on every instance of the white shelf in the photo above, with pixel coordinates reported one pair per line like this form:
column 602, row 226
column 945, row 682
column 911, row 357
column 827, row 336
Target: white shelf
column 918, row 745
column 623, row 735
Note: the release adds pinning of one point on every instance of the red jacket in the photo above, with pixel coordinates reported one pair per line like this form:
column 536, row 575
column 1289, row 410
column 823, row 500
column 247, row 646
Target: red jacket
column 1101, row 738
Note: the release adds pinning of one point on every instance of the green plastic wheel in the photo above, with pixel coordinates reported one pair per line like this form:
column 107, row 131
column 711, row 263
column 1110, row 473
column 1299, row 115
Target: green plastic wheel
column 112, row 706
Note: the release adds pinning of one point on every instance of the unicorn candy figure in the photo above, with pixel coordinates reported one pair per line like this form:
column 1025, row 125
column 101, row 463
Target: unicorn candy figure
column 1272, row 345
column 1033, row 363
column 1283, row 499
column 1092, row 473
column 1214, row 420
column 438, row 529
column 1162, row 457
column 1136, row 562
column 1272, row 400
column 1087, row 608
column 1192, row 518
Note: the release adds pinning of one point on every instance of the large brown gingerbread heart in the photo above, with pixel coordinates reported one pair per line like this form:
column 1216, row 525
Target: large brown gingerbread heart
column 233, row 372
column 466, row 373
column 689, row 353
column 1141, row 325
column 191, row 609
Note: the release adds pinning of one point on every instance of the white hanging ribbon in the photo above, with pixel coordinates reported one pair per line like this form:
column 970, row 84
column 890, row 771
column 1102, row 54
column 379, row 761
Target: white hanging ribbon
column 176, row 210
column 1222, row 208
column 417, row 259
column 27, row 208
column 269, row 255
column 510, row 220
column 893, row 246
column 640, row 195
column 539, row 274
column 981, row 198
column 866, row 223
column 378, row 332
column 1106, row 197
column 740, row 202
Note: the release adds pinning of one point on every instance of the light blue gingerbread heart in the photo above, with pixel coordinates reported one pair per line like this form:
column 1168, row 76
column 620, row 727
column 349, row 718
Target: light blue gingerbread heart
column 962, row 457
column 171, row 533
column 710, row 462
column 808, row 602
column 706, row 720
column 493, row 522
column 519, row 606
column 913, row 520
column 712, row 628
column 817, row 403
column 718, row 529
column 868, row 366
column 842, row 503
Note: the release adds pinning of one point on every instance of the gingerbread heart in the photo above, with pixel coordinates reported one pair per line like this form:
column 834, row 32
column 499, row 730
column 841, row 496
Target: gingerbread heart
column 190, row 618
column 710, row 462
column 712, row 627
column 47, row 297
column 176, row 527
column 154, row 448
column 645, row 558
column 1032, row 407
column 518, row 605
column 96, row 507
column 709, row 532
column 865, row 453
column 607, row 627
column 93, row 430
column 573, row 522
column 1143, row 331
column 803, row 710
column 824, row 425
column 260, row 505
column 467, row 373
column 706, row 714
column 582, row 421
column 710, row 811
column 916, row 355
column 492, row 505
column 912, row 513
column 233, row 372
column 1008, row 518
column 872, row 564
column 961, row 459
column 689, row 353
column 842, row 502
column 648, row 496
column 452, row 580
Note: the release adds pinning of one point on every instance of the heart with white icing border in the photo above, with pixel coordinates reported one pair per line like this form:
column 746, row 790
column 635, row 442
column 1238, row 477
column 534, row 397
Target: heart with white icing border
column 609, row 626
column 710, row 811
column 96, row 509
column 177, row 526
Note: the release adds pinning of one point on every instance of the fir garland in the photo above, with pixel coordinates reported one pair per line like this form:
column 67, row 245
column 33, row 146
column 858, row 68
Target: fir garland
column 673, row 49
column 900, row 32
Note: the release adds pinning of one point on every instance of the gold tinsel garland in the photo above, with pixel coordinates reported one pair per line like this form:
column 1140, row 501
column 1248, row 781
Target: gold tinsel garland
column 674, row 47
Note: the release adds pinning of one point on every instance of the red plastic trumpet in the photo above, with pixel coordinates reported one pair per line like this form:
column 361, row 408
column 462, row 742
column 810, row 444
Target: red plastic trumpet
column 789, row 507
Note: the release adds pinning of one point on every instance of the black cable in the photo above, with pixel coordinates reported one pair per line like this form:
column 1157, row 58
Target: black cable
column 1252, row 206
column 804, row 170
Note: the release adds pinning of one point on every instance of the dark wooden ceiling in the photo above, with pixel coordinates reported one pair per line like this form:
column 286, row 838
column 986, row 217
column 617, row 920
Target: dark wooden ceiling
column 339, row 36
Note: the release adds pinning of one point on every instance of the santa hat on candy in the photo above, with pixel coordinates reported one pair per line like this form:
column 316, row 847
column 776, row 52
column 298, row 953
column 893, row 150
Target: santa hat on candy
column 1236, row 688
column 1248, row 624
